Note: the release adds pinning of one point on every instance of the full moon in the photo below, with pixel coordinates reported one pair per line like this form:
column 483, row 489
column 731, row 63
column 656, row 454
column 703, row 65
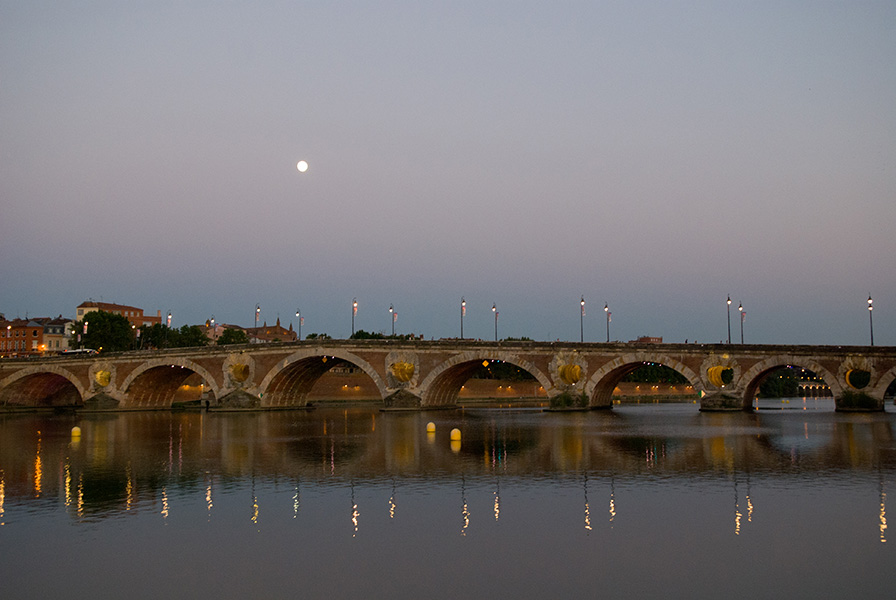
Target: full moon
column 302, row 166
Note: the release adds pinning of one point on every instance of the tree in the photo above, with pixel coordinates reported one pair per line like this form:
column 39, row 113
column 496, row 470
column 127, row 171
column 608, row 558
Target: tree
column 106, row 331
column 232, row 336
column 317, row 336
column 190, row 336
column 366, row 335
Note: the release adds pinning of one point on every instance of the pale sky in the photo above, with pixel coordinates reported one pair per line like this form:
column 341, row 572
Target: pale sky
column 656, row 156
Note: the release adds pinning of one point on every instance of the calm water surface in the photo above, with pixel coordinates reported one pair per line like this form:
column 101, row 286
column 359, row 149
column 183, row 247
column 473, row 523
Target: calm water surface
column 647, row 501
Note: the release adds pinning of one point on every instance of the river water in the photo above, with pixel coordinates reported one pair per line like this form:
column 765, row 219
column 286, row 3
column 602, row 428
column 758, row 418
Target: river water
column 644, row 501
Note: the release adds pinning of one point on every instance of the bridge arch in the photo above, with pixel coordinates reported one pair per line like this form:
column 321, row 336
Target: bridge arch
column 155, row 383
column 755, row 374
column 601, row 384
column 290, row 381
column 442, row 385
column 41, row 386
column 887, row 379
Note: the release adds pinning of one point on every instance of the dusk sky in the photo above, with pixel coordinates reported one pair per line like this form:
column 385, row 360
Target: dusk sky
column 655, row 156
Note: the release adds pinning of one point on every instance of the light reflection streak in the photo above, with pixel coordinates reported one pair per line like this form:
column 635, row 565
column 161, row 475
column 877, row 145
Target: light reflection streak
column 296, row 500
column 129, row 488
column 2, row 498
column 68, row 484
column 208, row 500
column 164, row 503
column 254, row 518
column 737, row 513
column 80, row 495
column 749, row 502
column 497, row 499
column 38, row 469
column 355, row 512
column 587, row 507
column 612, row 502
column 465, row 512
column 883, row 514
column 392, row 501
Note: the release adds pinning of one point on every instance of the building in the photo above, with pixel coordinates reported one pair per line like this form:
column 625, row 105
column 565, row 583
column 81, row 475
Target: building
column 646, row 339
column 131, row 313
column 57, row 333
column 32, row 336
column 273, row 333
column 21, row 337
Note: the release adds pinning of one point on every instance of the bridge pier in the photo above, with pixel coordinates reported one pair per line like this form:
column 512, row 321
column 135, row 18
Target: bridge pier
column 722, row 402
column 402, row 399
column 857, row 401
column 238, row 399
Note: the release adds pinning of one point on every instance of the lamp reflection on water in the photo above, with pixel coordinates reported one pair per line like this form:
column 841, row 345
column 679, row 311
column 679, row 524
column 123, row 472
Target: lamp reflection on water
column 587, row 507
column 497, row 498
column 129, row 488
column 2, row 498
column 612, row 501
column 355, row 512
column 392, row 501
column 80, row 505
column 465, row 512
column 883, row 512
column 254, row 503
column 38, row 469
column 67, row 471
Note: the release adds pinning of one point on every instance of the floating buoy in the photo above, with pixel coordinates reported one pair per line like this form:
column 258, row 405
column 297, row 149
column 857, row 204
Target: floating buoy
column 430, row 427
column 76, row 432
column 455, row 435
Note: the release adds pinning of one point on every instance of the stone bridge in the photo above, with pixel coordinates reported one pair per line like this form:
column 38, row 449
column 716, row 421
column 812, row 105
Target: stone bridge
column 428, row 374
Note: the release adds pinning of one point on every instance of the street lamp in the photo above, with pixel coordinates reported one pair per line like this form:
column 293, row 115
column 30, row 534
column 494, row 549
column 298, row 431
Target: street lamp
column 607, row 310
column 463, row 311
column 354, row 312
column 740, row 308
column 257, row 313
column 495, row 310
column 582, row 321
column 870, row 318
column 299, row 321
column 212, row 321
column 392, row 316
column 729, row 319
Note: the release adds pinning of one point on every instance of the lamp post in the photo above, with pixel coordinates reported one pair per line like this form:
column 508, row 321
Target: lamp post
column 463, row 311
column 729, row 319
column 392, row 315
column 354, row 312
column 257, row 313
column 495, row 310
column 214, row 336
column 740, row 308
column 582, row 322
column 607, row 310
column 299, row 323
column 870, row 318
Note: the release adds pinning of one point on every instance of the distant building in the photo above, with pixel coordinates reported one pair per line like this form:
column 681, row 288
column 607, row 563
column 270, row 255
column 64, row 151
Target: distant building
column 273, row 333
column 131, row 313
column 32, row 336
column 21, row 337
column 57, row 333
column 645, row 339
